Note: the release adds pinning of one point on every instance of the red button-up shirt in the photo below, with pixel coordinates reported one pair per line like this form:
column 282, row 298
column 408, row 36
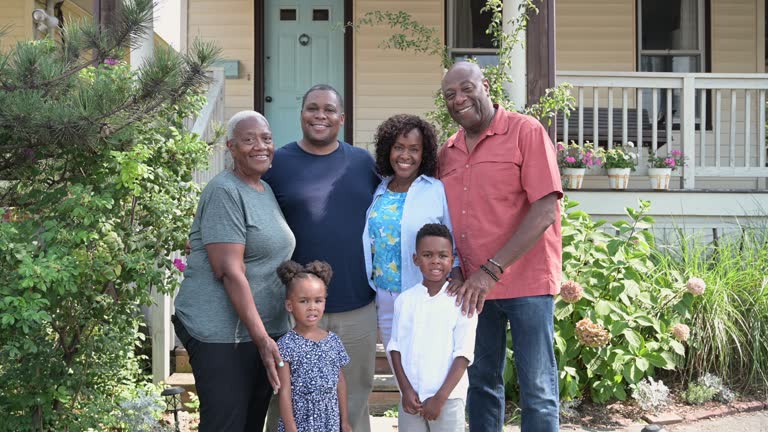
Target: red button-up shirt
column 489, row 192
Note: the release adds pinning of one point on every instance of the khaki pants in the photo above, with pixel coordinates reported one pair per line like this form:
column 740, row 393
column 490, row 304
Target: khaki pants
column 358, row 332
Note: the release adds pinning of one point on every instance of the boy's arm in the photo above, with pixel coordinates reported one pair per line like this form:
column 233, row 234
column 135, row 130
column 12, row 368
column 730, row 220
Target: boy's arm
column 411, row 402
column 343, row 411
column 434, row 404
column 463, row 355
column 284, row 398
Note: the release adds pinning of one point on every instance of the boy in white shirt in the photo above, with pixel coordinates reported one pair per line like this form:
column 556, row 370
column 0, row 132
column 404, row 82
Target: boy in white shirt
column 432, row 343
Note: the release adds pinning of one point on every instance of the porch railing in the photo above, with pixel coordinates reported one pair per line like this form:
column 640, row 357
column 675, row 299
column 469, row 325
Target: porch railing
column 717, row 120
column 204, row 125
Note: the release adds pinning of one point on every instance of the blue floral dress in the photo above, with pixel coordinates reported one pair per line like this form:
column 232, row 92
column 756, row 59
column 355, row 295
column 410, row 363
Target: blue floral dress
column 315, row 368
column 384, row 222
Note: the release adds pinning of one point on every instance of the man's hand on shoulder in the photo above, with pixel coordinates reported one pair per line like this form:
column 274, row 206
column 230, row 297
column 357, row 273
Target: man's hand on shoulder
column 472, row 293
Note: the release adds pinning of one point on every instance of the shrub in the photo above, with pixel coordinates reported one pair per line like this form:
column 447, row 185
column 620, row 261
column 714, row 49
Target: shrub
column 619, row 330
column 650, row 395
column 98, row 169
column 697, row 394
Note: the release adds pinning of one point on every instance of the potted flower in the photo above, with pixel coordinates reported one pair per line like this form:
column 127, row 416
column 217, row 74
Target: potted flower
column 660, row 168
column 573, row 161
column 619, row 162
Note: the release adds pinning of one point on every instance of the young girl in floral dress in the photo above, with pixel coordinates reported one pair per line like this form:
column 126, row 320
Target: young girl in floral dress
column 312, row 388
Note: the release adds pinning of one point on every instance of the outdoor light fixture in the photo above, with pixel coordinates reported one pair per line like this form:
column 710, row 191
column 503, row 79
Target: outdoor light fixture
column 43, row 21
column 172, row 397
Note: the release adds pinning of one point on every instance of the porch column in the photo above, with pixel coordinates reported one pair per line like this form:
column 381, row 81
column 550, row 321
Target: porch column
column 540, row 53
column 516, row 89
column 688, row 130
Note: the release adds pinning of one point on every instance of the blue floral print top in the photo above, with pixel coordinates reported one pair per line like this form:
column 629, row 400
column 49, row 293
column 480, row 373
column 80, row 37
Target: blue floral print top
column 384, row 228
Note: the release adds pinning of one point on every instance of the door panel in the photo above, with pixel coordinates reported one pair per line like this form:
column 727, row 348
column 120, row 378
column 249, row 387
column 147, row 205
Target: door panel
column 302, row 48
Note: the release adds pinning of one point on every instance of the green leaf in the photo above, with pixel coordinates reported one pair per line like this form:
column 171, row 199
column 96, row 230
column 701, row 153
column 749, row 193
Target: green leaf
column 642, row 363
column 677, row 347
column 632, row 373
column 633, row 338
column 603, row 307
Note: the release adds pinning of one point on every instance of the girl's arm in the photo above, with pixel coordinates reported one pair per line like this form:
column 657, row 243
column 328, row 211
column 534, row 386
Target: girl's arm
column 343, row 411
column 284, row 399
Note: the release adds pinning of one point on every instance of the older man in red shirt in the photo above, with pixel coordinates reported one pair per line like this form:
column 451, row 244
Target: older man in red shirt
column 503, row 186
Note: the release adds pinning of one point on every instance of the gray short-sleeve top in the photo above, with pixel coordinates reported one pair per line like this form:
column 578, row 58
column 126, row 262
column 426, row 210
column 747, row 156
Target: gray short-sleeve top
column 230, row 211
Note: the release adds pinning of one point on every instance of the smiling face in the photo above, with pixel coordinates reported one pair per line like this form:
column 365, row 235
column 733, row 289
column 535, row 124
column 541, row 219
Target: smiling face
column 405, row 155
column 251, row 147
column 467, row 97
column 321, row 118
column 434, row 257
column 306, row 301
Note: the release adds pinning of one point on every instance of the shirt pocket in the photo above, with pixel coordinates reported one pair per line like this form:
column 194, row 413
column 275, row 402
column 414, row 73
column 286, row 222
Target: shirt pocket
column 500, row 176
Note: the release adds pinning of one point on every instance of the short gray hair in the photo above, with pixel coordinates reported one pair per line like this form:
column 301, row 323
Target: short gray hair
column 240, row 116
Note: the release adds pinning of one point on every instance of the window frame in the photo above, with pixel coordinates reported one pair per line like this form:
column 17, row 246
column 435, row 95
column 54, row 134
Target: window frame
column 450, row 36
column 702, row 10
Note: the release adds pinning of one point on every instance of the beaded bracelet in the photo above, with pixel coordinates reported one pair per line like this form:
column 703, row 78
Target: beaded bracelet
column 489, row 272
column 493, row 261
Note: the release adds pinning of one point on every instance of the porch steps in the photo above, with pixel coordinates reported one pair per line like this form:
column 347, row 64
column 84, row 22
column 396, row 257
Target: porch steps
column 385, row 395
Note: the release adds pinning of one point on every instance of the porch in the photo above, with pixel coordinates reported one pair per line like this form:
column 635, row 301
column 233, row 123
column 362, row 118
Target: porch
column 718, row 121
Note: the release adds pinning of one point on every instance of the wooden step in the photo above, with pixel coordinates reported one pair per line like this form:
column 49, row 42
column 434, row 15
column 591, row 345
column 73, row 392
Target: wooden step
column 381, row 367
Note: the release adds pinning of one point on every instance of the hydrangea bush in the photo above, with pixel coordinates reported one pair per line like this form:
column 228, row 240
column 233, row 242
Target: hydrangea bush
column 615, row 323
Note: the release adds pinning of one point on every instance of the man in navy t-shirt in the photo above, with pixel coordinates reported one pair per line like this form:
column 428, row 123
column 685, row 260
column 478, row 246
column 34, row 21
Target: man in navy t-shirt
column 324, row 187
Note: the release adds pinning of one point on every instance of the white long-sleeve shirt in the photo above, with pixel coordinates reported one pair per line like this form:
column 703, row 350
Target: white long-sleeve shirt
column 429, row 333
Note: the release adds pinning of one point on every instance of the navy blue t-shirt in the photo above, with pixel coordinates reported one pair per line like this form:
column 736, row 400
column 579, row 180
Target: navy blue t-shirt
column 324, row 199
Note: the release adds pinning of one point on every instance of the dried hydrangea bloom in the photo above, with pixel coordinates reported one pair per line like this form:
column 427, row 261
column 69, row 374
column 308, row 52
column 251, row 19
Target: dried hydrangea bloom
column 696, row 286
column 681, row 332
column 571, row 291
column 591, row 334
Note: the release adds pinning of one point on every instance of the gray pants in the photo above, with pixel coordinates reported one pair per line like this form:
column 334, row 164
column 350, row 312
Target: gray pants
column 451, row 419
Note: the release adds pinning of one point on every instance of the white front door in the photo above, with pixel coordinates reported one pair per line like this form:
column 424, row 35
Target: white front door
column 304, row 46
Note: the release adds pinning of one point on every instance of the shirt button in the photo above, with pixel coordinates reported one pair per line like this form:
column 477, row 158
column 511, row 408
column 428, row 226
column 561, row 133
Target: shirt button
column 463, row 211
column 466, row 166
column 466, row 188
column 462, row 236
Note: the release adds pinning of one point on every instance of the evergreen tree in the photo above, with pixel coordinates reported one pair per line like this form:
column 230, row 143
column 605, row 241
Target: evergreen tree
column 96, row 182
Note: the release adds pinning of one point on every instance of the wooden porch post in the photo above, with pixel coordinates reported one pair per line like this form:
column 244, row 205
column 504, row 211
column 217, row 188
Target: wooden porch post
column 540, row 53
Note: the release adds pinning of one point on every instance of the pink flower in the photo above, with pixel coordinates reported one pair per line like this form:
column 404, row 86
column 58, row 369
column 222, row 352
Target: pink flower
column 179, row 264
column 675, row 152
column 670, row 162
column 110, row 61
column 560, row 146
column 696, row 286
column 598, row 162
column 571, row 291
column 681, row 332
column 570, row 159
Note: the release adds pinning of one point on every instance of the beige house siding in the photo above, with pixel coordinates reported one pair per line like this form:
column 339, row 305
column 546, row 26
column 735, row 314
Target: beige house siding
column 229, row 23
column 386, row 81
column 735, row 37
column 16, row 18
column 595, row 35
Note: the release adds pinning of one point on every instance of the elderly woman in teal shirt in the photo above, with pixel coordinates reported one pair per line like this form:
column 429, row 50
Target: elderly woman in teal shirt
column 408, row 197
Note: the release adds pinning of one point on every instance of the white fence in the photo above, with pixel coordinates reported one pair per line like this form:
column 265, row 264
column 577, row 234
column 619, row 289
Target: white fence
column 717, row 120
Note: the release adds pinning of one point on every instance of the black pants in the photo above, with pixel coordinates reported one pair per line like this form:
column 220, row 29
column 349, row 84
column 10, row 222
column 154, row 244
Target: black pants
column 231, row 383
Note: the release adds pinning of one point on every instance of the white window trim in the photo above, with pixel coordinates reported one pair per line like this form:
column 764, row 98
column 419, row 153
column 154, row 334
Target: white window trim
column 451, row 36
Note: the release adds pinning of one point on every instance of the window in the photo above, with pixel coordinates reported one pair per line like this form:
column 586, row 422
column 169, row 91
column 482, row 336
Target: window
column 287, row 14
column 671, row 38
column 320, row 14
column 466, row 31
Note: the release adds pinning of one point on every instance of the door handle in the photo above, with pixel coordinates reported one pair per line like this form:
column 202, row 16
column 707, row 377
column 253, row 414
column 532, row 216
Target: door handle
column 268, row 99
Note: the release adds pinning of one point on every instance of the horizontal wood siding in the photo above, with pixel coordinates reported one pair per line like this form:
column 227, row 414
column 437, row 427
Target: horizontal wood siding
column 386, row 81
column 16, row 18
column 734, row 36
column 595, row 35
column 228, row 23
